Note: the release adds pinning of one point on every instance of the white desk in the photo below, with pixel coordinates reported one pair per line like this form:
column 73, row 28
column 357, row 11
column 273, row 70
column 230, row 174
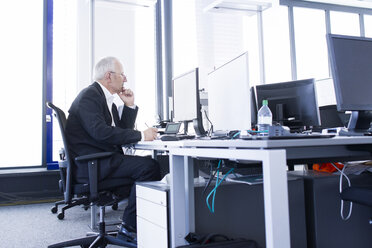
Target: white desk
column 272, row 153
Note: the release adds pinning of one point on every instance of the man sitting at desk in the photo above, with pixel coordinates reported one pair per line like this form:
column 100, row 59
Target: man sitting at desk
column 96, row 125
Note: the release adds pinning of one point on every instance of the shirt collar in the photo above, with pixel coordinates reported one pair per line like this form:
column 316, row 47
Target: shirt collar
column 109, row 97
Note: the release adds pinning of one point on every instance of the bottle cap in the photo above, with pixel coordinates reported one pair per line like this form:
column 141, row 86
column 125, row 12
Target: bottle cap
column 264, row 102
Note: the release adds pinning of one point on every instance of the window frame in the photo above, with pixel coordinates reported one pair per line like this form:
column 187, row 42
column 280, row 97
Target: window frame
column 47, row 151
column 327, row 8
column 46, row 125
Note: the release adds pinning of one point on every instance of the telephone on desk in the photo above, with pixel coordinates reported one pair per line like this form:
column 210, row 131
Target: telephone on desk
column 171, row 133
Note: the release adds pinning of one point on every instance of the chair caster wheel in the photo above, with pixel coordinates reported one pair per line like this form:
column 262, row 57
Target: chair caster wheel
column 54, row 210
column 86, row 208
column 61, row 216
column 114, row 207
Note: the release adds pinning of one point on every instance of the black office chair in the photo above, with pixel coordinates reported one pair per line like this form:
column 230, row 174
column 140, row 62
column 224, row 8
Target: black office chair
column 330, row 117
column 96, row 193
column 70, row 201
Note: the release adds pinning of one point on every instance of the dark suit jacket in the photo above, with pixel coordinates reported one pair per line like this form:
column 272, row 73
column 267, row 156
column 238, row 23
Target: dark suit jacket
column 89, row 130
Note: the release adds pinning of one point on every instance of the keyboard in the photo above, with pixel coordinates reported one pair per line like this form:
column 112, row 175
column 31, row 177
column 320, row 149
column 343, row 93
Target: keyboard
column 294, row 136
column 168, row 137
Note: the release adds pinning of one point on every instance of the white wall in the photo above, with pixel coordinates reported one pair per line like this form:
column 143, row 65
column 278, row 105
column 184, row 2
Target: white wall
column 126, row 32
column 220, row 38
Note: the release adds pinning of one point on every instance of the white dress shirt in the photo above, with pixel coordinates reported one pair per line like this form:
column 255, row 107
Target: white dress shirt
column 110, row 100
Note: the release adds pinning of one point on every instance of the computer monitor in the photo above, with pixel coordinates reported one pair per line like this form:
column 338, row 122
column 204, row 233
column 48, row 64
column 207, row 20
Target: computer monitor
column 254, row 110
column 351, row 66
column 293, row 104
column 229, row 95
column 186, row 101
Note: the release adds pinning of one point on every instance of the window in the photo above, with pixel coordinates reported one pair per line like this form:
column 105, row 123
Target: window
column 276, row 45
column 344, row 23
column 251, row 44
column 368, row 25
column 21, row 49
column 64, row 62
column 184, row 37
column 311, row 46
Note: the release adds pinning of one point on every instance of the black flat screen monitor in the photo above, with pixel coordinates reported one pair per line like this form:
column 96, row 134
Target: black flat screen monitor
column 351, row 66
column 292, row 104
column 186, row 101
column 253, row 106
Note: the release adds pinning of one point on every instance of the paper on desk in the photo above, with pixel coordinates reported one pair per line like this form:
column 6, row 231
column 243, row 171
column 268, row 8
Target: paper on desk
column 167, row 179
column 356, row 168
column 249, row 179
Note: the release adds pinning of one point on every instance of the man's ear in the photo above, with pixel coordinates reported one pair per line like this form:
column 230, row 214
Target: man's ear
column 107, row 75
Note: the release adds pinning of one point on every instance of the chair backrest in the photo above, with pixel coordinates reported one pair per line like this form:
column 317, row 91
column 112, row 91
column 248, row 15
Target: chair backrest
column 330, row 117
column 108, row 185
column 61, row 117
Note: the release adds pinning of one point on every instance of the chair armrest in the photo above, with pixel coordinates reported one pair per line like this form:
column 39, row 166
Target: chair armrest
column 94, row 156
column 92, row 160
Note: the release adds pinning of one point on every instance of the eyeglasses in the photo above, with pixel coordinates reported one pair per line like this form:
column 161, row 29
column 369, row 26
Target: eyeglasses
column 121, row 74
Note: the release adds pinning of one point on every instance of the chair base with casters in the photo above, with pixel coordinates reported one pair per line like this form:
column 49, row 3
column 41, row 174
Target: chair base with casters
column 74, row 202
column 98, row 240
column 100, row 195
column 77, row 200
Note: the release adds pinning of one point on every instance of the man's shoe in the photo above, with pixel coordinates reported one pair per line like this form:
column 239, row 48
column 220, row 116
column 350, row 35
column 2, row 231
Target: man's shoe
column 127, row 234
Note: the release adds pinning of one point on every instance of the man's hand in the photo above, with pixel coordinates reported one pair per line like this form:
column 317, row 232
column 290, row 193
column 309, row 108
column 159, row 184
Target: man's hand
column 127, row 97
column 150, row 134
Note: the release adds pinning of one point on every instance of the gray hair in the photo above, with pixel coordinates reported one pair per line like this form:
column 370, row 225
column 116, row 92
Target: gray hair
column 104, row 65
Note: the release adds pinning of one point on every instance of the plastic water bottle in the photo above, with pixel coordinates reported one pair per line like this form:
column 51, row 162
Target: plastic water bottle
column 264, row 119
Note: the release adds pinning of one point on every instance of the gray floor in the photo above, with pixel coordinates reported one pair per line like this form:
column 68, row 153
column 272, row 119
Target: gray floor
column 34, row 225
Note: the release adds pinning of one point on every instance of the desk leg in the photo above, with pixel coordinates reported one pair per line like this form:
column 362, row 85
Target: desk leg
column 181, row 199
column 189, row 194
column 276, row 199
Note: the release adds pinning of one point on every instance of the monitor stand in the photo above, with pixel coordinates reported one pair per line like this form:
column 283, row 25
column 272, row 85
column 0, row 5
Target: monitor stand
column 353, row 132
column 185, row 127
column 359, row 124
column 198, row 127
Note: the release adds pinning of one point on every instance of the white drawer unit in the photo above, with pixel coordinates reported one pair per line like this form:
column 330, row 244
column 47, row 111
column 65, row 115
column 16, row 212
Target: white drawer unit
column 152, row 215
column 234, row 211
